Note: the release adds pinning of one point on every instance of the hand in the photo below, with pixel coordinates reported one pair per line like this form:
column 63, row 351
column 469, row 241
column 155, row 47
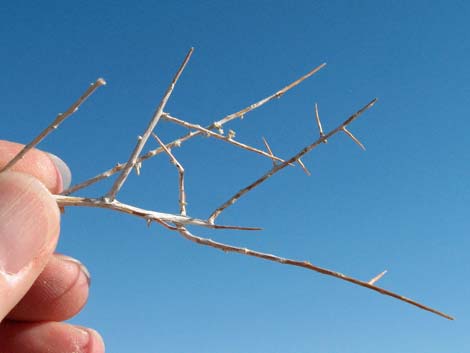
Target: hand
column 38, row 289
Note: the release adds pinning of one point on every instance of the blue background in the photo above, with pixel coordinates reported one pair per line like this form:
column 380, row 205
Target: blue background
column 403, row 205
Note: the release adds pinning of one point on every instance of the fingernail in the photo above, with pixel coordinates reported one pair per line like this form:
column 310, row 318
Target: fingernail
column 82, row 266
column 81, row 340
column 96, row 343
column 26, row 220
column 88, row 340
column 64, row 171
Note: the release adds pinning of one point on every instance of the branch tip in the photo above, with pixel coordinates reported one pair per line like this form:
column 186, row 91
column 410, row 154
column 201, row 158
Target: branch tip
column 100, row 81
column 55, row 124
column 151, row 126
column 307, row 265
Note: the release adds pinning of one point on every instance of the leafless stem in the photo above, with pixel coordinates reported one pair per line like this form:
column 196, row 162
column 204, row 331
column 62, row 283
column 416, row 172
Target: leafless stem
column 133, row 159
column 67, row 201
column 293, row 159
column 106, row 174
column 278, row 94
column 55, row 124
column 210, row 133
column 192, row 134
column 179, row 167
column 305, row 264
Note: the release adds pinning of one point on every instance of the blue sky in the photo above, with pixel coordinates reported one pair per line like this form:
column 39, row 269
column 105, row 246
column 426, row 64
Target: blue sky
column 402, row 205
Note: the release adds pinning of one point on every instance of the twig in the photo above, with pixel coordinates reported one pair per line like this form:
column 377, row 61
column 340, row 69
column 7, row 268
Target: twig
column 192, row 134
column 106, row 174
column 179, row 167
column 305, row 264
column 293, row 159
column 133, row 159
column 55, row 124
column 210, row 133
column 66, row 201
column 278, row 94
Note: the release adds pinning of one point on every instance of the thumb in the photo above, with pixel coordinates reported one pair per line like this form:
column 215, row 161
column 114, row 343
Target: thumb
column 29, row 228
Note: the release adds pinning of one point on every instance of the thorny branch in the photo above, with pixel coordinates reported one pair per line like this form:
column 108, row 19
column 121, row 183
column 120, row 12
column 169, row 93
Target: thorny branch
column 180, row 169
column 179, row 141
column 230, row 138
column 55, row 124
column 111, row 195
column 180, row 222
column 293, row 159
column 148, row 215
column 305, row 264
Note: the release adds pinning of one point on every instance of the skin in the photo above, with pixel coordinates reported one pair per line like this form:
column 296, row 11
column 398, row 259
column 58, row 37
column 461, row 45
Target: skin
column 38, row 295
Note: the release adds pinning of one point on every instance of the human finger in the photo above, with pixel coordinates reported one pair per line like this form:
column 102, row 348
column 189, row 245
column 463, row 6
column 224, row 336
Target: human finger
column 29, row 229
column 59, row 292
column 51, row 337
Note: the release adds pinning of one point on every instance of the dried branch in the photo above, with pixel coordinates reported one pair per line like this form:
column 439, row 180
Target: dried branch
column 133, row 159
column 262, row 102
column 179, row 141
column 55, row 124
column 305, row 264
column 180, row 222
column 293, row 159
column 210, row 133
column 179, row 167
column 104, row 175
column 64, row 201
